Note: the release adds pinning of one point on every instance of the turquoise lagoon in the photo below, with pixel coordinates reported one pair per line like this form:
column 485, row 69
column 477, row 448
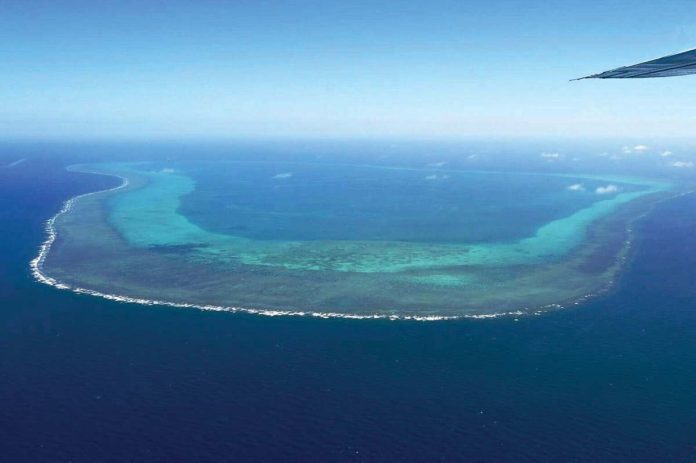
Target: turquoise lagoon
column 348, row 239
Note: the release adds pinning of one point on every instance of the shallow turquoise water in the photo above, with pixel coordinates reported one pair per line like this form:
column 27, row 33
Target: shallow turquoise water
column 525, row 218
column 178, row 233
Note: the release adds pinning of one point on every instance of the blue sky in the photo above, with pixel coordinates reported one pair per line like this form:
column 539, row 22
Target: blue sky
column 337, row 68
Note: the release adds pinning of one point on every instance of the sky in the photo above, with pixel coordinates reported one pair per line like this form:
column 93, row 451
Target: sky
column 425, row 69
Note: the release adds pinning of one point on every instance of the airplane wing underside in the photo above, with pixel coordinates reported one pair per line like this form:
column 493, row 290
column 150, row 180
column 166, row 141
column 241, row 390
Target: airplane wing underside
column 674, row 65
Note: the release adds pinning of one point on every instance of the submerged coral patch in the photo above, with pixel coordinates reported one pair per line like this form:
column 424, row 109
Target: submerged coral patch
column 381, row 243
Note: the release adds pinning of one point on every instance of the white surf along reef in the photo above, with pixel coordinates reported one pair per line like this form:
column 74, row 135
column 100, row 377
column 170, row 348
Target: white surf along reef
column 151, row 254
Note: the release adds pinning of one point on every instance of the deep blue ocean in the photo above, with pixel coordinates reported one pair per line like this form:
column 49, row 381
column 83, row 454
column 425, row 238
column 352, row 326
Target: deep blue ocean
column 88, row 380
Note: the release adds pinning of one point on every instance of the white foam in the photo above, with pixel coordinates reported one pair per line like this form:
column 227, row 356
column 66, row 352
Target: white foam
column 36, row 263
column 36, row 266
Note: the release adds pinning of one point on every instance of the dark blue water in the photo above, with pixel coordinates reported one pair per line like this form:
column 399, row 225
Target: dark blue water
column 325, row 201
column 85, row 380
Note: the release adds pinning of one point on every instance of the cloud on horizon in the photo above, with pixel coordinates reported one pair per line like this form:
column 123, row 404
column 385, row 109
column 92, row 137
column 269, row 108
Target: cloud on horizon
column 437, row 164
column 682, row 164
column 637, row 149
column 551, row 156
column 436, row 177
column 607, row 190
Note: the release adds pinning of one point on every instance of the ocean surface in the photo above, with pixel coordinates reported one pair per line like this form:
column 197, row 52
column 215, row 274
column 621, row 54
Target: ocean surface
column 88, row 379
column 345, row 239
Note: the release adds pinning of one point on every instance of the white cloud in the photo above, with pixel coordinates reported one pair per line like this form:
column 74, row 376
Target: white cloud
column 666, row 153
column 436, row 177
column 576, row 187
column 472, row 157
column 167, row 170
column 682, row 164
column 551, row 156
column 283, row 175
column 437, row 164
column 607, row 190
column 637, row 149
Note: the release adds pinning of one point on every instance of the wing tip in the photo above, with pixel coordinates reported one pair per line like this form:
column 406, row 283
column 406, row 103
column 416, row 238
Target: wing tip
column 594, row 76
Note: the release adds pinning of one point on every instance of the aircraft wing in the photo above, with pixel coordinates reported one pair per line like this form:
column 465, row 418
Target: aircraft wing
column 673, row 65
